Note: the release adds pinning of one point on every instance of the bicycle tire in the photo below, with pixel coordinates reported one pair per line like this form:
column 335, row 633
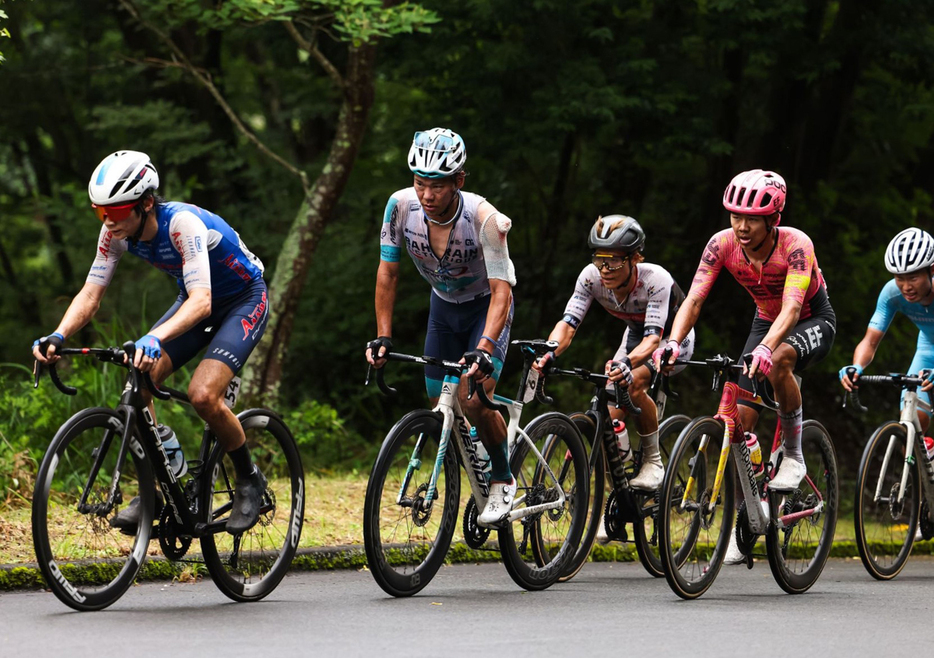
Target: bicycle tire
column 548, row 539
column 798, row 552
column 403, row 568
column 885, row 531
column 690, row 559
column 587, row 428
column 247, row 567
column 66, row 539
column 646, row 534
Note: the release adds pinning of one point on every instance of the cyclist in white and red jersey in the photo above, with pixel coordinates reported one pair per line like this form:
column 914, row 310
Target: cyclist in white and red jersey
column 222, row 306
column 645, row 297
column 794, row 325
column 457, row 241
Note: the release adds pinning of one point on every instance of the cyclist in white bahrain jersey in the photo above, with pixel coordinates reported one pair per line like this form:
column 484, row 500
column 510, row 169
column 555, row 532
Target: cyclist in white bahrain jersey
column 457, row 241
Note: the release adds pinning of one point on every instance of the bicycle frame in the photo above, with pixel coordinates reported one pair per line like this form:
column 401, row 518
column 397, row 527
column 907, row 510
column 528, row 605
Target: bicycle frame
column 733, row 443
column 455, row 425
column 913, row 450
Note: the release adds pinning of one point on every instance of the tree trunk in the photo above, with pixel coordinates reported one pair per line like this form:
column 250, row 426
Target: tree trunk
column 263, row 371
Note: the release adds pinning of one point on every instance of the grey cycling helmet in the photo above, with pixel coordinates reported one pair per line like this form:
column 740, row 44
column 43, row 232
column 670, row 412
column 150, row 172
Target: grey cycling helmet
column 909, row 251
column 616, row 232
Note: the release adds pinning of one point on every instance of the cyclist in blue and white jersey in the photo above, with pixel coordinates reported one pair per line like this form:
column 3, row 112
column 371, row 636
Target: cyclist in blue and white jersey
column 457, row 241
column 646, row 298
column 222, row 305
column 910, row 257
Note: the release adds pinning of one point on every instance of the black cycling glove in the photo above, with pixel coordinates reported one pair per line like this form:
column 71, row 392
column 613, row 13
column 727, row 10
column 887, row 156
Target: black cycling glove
column 375, row 345
column 53, row 339
column 482, row 358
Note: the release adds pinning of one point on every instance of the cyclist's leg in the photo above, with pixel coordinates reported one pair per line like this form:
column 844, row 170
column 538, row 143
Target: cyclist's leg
column 806, row 344
column 239, row 325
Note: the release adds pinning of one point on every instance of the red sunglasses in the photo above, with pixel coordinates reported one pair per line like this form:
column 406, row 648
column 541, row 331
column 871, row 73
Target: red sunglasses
column 114, row 213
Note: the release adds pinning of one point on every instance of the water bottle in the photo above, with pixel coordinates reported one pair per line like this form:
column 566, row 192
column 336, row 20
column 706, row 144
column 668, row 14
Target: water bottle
column 482, row 454
column 173, row 449
column 755, row 452
column 622, row 440
column 929, row 446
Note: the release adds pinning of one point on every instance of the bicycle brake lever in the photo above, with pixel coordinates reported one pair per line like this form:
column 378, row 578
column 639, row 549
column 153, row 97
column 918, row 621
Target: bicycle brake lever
column 36, row 373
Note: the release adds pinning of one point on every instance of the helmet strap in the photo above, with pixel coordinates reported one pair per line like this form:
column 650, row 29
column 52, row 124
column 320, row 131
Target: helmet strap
column 632, row 270
column 444, row 212
column 759, row 246
column 142, row 224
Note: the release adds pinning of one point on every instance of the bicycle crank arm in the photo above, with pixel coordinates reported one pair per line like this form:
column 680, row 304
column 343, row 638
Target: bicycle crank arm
column 789, row 519
column 517, row 514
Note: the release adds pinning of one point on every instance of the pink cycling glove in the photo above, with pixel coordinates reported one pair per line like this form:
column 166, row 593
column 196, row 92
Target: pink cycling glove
column 762, row 359
column 675, row 348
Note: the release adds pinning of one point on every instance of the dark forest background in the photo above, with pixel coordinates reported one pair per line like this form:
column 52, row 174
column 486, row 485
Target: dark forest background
column 569, row 110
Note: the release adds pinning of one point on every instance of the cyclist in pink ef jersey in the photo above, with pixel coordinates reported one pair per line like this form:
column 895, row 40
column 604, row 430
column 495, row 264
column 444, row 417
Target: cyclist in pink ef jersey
column 794, row 325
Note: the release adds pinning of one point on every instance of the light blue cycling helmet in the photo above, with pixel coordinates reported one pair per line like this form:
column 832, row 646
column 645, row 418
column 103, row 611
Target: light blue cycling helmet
column 437, row 153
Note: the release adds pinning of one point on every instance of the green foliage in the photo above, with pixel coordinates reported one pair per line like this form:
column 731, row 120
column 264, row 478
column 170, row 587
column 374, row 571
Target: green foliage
column 324, row 440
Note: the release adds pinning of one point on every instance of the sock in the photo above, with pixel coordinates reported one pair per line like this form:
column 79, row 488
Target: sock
column 499, row 462
column 242, row 462
column 650, row 454
column 791, row 434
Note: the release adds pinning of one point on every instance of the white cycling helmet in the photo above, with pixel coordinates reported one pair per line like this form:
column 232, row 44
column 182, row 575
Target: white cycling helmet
column 122, row 177
column 437, row 153
column 909, row 251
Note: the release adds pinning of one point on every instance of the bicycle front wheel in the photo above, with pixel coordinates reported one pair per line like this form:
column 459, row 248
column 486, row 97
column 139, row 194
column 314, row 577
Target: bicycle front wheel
column 886, row 512
column 86, row 563
column 247, row 567
column 407, row 523
column 800, row 533
column 537, row 547
column 587, row 429
column 646, row 533
column 695, row 521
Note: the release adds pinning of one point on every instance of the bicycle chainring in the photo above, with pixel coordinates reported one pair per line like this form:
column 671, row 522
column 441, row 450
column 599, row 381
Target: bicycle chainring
column 925, row 522
column 896, row 507
column 173, row 545
column 613, row 522
column 475, row 535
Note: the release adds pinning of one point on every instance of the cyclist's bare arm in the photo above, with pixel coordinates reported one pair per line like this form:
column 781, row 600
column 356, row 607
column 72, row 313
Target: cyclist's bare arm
column 498, row 313
column 563, row 334
column 387, row 280
column 82, row 308
column 642, row 352
column 784, row 323
column 864, row 353
column 194, row 309
column 686, row 318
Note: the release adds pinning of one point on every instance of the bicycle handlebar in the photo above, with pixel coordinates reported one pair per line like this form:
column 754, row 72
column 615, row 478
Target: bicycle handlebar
column 452, row 367
column 895, row 379
column 621, row 394
column 721, row 364
column 105, row 355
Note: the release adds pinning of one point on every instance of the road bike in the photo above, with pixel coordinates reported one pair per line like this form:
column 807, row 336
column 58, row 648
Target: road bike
column 624, row 505
column 895, row 487
column 413, row 494
column 101, row 458
column 697, row 518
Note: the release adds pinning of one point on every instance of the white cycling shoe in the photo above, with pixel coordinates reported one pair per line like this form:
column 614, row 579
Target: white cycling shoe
column 649, row 478
column 733, row 554
column 602, row 537
column 789, row 475
column 498, row 505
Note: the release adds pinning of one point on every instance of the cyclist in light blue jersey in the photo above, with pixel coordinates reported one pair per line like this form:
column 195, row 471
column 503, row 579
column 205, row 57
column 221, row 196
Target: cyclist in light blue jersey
column 222, row 306
column 910, row 257
column 457, row 241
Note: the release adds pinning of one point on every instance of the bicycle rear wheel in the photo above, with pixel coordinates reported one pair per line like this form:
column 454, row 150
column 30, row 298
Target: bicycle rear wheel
column 587, row 429
column 87, row 564
column 886, row 520
column 798, row 550
column 646, row 534
column 407, row 530
column 247, row 567
column 536, row 548
column 695, row 525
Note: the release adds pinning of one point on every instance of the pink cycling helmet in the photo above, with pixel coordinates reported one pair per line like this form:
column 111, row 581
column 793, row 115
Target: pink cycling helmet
column 755, row 192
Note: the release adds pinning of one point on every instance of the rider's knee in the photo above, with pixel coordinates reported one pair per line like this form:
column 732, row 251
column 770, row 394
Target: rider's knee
column 203, row 399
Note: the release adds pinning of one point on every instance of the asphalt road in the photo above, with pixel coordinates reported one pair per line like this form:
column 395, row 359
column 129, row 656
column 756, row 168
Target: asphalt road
column 609, row 609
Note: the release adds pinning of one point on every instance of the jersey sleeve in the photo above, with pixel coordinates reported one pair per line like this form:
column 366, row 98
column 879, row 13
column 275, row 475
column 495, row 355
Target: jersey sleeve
column 659, row 285
column 708, row 270
column 886, row 307
column 495, row 251
column 801, row 262
column 109, row 251
column 390, row 237
column 580, row 301
column 190, row 238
